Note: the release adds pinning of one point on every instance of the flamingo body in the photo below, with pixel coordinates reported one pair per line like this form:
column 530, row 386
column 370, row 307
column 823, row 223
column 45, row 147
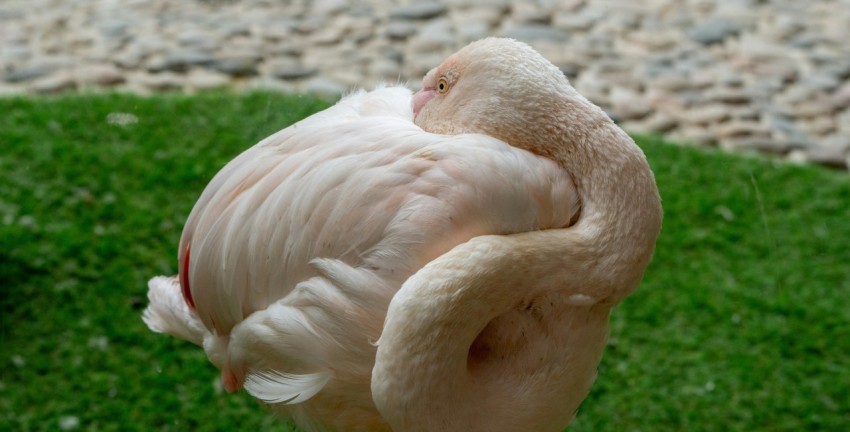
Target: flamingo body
column 298, row 245
column 440, row 261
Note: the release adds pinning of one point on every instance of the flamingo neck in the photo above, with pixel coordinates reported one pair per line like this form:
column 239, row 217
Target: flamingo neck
column 621, row 210
column 428, row 374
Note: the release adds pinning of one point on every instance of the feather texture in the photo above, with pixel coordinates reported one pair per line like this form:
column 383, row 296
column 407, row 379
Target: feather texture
column 168, row 313
column 278, row 387
column 366, row 187
column 299, row 243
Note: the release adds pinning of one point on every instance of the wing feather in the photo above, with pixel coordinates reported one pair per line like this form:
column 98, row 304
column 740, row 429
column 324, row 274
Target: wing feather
column 368, row 190
column 281, row 387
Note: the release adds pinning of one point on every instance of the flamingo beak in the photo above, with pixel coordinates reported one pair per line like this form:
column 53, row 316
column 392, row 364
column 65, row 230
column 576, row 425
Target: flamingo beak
column 421, row 98
column 230, row 381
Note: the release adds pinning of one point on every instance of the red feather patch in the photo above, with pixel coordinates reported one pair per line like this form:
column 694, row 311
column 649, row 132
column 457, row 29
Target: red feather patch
column 184, row 281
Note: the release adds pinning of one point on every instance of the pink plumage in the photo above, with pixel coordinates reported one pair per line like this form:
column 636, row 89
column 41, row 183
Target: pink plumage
column 300, row 244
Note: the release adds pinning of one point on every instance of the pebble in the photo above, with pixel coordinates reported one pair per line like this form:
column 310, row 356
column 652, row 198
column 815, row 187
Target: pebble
column 25, row 73
column 831, row 152
column 841, row 98
column 102, row 75
column 784, row 128
column 659, row 123
column 473, row 31
column 772, row 146
column 628, row 104
column 706, row 114
column 714, row 30
column 434, row 36
column 728, row 95
column 400, row 30
column 180, row 60
column 738, row 129
column 269, row 84
column 744, row 75
column 418, row 11
column 204, row 79
column 325, row 88
column 55, row 83
column 700, row 136
column 843, row 120
column 488, row 15
column 289, row 68
column 752, row 143
column 530, row 13
column 237, row 63
column 164, row 81
column 530, row 33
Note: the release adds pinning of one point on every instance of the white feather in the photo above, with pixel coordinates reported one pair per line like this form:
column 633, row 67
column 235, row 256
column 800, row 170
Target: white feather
column 168, row 313
column 279, row 387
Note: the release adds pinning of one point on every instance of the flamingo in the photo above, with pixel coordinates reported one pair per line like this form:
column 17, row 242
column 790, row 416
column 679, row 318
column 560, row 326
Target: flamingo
column 444, row 260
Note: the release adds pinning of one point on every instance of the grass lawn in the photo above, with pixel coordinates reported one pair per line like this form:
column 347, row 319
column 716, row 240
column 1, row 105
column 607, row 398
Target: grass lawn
column 742, row 322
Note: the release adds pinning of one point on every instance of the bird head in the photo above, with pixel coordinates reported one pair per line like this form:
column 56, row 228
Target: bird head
column 505, row 89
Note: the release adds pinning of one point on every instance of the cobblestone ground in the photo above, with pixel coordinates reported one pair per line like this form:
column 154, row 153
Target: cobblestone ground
column 768, row 76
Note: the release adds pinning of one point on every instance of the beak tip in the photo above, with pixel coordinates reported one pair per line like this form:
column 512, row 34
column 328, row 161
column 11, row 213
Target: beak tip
column 229, row 381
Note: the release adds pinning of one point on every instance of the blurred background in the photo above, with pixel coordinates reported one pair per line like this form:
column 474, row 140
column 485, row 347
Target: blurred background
column 767, row 76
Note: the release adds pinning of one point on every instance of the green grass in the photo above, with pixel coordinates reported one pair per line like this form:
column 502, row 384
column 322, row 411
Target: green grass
column 742, row 322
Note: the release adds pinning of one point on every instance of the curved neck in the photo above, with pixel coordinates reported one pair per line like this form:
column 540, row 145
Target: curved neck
column 422, row 378
column 621, row 211
column 620, row 207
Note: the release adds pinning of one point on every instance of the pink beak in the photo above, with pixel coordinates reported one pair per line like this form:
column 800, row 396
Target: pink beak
column 422, row 97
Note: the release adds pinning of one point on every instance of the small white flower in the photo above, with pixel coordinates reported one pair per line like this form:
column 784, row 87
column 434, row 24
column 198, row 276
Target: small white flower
column 121, row 119
column 69, row 423
column 99, row 342
column 18, row 361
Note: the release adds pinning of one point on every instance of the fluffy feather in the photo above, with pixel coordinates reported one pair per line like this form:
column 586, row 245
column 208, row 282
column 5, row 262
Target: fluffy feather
column 168, row 313
column 279, row 387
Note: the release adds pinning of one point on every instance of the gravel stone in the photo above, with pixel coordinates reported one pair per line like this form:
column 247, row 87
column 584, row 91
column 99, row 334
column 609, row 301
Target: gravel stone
column 418, row 11
column 290, row 69
column 714, row 30
column 104, row 75
column 56, row 83
column 737, row 129
column 164, row 81
column 533, row 32
column 434, row 36
column 26, row 73
column 181, row 60
column 203, row 79
column 828, row 153
column 746, row 75
column 400, row 30
column 324, row 88
column 237, row 63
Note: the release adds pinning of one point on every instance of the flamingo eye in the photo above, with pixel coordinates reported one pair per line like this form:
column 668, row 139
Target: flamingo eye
column 442, row 85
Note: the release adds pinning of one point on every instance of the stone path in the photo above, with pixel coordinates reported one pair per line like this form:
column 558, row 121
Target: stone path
column 767, row 76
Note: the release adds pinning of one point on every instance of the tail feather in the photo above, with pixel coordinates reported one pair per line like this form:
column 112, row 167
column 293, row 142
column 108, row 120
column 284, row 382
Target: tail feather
column 168, row 312
column 279, row 387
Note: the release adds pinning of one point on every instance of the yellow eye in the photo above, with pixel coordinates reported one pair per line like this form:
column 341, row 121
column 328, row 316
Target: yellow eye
column 442, row 85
